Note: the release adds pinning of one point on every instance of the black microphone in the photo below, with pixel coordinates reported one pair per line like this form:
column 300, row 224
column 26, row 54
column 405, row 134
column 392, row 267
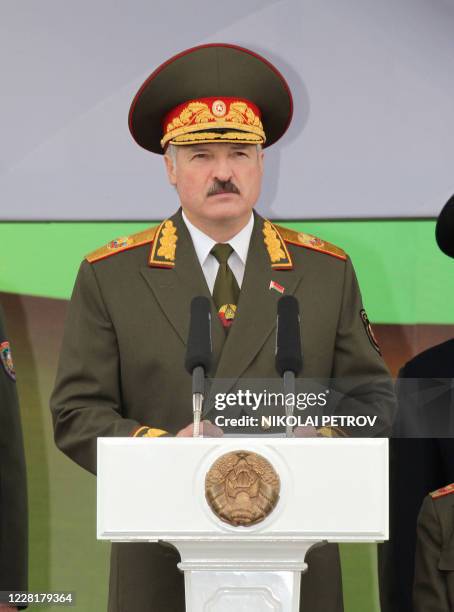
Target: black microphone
column 198, row 353
column 289, row 358
column 444, row 231
column 288, row 337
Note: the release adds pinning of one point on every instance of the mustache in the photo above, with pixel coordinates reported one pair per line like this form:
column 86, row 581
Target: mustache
column 222, row 187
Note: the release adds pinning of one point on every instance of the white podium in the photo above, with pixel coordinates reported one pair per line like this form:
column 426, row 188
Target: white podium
column 153, row 490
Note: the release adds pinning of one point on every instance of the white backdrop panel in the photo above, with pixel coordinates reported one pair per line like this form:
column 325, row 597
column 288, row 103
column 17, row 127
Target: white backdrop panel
column 372, row 132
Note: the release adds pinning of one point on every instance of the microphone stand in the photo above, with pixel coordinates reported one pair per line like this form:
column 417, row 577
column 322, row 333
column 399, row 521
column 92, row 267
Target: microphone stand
column 288, row 354
column 198, row 392
column 289, row 391
column 198, row 355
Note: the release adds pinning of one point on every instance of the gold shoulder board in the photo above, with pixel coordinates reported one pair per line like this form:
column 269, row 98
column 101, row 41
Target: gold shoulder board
column 122, row 244
column 311, row 242
column 443, row 491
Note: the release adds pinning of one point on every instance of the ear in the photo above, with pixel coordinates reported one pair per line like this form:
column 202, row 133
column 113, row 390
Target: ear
column 171, row 170
column 261, row 158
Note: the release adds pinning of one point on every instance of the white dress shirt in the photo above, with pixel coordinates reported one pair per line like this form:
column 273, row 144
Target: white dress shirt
column 210, row 265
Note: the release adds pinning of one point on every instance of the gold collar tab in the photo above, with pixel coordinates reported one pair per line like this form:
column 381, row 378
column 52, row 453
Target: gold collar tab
column 164, row 246
column 276, row 247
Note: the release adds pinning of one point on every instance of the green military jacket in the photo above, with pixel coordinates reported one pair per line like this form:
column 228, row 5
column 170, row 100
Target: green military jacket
column 122, row 363
column 433, row 589
column 13, row 486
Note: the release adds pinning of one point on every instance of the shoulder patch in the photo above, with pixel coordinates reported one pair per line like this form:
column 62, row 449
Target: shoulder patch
column 311, row 242
column 123, row 244
column 6, row 360
column 443, row 491
column 369, row 330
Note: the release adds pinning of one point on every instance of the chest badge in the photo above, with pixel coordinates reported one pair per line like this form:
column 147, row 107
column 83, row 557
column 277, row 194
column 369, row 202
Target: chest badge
column 227, row 313
column 276, row 287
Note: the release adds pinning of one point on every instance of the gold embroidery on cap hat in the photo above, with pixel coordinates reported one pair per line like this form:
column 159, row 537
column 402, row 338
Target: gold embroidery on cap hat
column 207, row 137
column 197, row 117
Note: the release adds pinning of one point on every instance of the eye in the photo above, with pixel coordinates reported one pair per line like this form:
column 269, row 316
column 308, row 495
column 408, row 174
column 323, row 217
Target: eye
column 199, row 156
column 241, row 154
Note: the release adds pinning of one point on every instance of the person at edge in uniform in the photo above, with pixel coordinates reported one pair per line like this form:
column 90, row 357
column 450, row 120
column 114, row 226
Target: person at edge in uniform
column 210, row 110
column 421, row 449
column 13, row 486
column 433, row 589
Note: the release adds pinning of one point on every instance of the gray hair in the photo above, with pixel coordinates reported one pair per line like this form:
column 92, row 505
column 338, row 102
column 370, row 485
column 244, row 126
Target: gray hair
column 171, row 151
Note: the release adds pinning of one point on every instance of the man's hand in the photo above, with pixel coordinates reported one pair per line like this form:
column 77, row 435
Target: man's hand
column 305, row 432
column 7, row 607
column 207, row 430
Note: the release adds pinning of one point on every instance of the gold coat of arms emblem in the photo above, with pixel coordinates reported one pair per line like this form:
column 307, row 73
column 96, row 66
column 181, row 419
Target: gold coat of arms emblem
column 242, row 488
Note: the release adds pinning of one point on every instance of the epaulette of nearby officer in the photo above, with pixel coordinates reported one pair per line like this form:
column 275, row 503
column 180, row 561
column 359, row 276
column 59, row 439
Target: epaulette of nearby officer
column 123, row 244
column 443, row 491
column 311, row 242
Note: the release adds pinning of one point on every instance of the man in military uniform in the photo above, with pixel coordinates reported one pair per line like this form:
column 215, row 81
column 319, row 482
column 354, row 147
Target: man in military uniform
column 210, row 110
column 434, row 560
column 421, row 451
column 13, row 488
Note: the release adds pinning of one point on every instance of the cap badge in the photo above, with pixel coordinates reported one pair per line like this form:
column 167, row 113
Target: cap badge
column 219, row 108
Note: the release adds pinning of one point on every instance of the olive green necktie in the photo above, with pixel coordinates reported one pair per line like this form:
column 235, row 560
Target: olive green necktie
column 226, row 290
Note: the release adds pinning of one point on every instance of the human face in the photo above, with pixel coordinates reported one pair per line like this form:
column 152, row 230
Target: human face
column 217, row 183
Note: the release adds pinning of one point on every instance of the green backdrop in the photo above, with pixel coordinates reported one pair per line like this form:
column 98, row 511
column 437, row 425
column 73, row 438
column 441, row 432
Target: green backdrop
column 403, row 276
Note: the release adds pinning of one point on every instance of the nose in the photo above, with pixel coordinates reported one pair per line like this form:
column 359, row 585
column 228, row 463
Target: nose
column 222, row 169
